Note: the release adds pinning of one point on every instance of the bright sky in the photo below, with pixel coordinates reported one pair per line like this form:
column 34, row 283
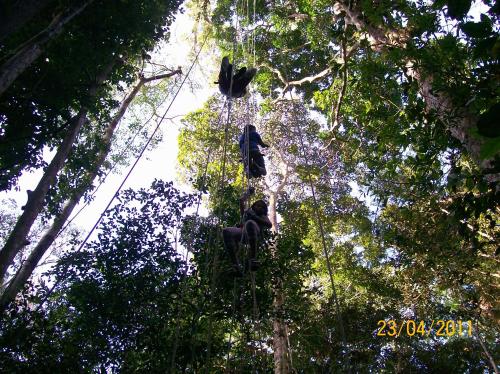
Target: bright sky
column 160, row 162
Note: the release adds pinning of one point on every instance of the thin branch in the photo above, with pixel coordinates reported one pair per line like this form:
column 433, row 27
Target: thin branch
column 312, row 78
column 485, row 350
column 288, row 50
column 309, row 79
column 484, row 235
column 281, row 77
column 338, row 104
column 161, row 76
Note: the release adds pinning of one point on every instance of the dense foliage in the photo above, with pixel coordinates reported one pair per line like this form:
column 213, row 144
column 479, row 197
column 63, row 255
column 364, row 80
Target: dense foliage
column 382, row 184
column 37, row 108
column 114, row 302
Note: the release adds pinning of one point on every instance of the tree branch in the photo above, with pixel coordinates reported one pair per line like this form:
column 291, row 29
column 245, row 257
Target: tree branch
column 275, row 71
column 338, row 104
column 485, row 350
column 161, row 76
column 312, row 78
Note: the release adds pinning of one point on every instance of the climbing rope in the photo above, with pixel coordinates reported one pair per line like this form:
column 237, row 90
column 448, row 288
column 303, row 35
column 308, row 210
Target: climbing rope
column 130, row 171
column 220, row 186
column 251, row 119
column 221, row 182
column 255, row 310
column 233, row 312
column 246, row 162
column 110, row 170
column 210, row 238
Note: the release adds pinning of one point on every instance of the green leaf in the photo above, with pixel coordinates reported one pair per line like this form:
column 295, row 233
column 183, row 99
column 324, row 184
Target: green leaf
column 476, row 29
column 488, row 124
column 490, row 148
column 458, row 8
column 368, row 106
column 438, row 4
column 486, row 48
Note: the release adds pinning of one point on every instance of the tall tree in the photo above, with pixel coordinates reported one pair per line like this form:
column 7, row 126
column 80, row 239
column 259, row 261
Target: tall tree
column 16, row 14
column 149, row 24
column 33, row 48
column 36, row 199
column 25, row 271
column 38, row 106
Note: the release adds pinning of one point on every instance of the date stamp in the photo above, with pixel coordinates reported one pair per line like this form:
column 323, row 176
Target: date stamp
column 410, row 327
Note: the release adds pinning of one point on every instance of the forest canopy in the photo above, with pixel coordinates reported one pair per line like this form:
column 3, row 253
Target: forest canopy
column 383, row 163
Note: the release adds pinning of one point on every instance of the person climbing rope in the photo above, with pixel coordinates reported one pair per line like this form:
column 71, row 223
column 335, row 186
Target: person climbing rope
column 254, row 221
column 254, row 162
column 240, row 80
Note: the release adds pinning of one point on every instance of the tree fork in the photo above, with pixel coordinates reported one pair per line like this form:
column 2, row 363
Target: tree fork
column 35, row 202
column 51, row 234
column 459, row 121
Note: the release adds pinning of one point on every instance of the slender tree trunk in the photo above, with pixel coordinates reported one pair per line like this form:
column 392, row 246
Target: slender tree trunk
column 50, row 235
column 34, row 206
column 33, row 48
column 485, row 350
column 459, row 121
column 15, row 15
column 280, row 341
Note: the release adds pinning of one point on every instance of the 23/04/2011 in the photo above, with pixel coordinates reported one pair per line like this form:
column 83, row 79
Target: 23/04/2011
column 441, row 327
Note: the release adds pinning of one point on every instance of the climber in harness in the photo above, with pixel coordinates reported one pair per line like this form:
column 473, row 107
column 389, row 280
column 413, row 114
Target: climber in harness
column 254, row 221
column 240, row 80
column 250, row 152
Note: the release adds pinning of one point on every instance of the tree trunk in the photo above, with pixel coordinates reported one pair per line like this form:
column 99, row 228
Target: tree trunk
column 459, row 121
column 14, row 16
column 280, row 341
column 50, row 235
column 34, row 206
column 485, row 349
column 33, row 48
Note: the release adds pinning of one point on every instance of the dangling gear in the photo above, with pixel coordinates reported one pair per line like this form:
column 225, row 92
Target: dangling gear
column 240, row 80
column 254, row 170
column 253, row 160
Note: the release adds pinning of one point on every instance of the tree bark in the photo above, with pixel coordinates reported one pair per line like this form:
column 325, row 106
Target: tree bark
column 459, row 121
column 51, row 234
column 36, row 199
column 33, row 48
column 15, row 15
